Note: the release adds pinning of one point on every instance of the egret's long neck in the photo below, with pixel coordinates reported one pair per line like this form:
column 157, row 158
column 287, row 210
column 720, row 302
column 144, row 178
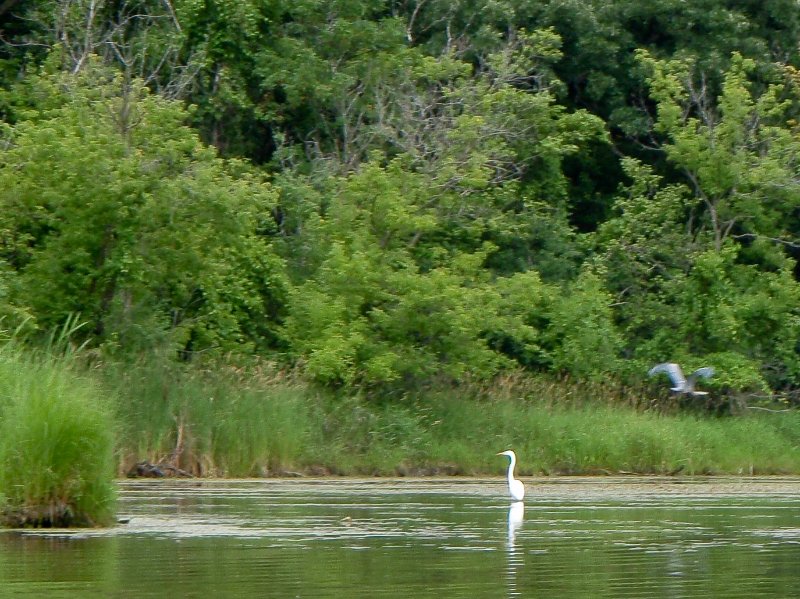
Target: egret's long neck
column 511, row 465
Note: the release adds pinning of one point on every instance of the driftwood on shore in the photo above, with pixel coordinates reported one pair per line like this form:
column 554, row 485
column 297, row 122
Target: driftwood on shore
column 164, row 468
column 147, row 470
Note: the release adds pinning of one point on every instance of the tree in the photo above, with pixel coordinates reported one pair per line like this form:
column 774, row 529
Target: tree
column 370, row 315
column 581, row 335
column 113, row 209
column 143, row 38
column 737, row 153
column 491, row 147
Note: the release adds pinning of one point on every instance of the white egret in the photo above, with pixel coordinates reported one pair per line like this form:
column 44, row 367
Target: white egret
column 515, row 487
column 682, row 384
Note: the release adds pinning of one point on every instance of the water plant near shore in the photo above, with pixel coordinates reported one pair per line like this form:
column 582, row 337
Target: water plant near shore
column 56, row 446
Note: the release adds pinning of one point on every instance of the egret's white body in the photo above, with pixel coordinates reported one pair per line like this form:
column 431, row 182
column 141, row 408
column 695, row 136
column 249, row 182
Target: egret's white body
column 515, row 487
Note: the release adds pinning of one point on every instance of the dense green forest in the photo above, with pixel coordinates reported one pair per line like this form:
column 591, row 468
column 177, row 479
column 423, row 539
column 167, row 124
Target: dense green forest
column 388, row 195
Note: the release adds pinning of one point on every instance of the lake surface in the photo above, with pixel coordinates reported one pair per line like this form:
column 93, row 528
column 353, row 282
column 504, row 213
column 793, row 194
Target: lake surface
column 420, row 538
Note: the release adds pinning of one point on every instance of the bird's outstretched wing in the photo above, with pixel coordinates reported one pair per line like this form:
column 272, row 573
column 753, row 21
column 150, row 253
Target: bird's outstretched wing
column 674, row 372
column 705, row 372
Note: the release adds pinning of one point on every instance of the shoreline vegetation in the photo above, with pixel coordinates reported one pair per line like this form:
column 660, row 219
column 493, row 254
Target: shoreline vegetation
column 57, row 439
column 258, row 422
column 70, row 427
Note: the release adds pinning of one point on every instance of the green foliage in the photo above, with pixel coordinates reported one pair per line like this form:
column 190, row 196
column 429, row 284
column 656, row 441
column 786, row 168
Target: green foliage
column 279, row 69
column 714, row 285
column 738, row 156
column 640, row 253
column 111, row 208
column 444, row 201
column 679, row 300
column 584, row 339
column 371, row 314
column 56, row 446
column 730, row 306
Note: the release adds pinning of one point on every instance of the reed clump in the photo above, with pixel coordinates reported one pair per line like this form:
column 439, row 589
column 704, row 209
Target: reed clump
column 56, row 446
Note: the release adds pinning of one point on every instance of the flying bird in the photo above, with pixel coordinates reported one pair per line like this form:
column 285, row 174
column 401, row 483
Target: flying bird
column 515, row 487
column 682, row 384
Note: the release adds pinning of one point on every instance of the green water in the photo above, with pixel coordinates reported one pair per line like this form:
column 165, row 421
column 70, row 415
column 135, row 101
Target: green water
column 423, row 538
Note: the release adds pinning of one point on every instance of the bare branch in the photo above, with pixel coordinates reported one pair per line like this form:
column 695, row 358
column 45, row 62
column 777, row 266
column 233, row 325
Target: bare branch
column 412, row 18
column 122, row 36
column 769, row 409
column 786, row 242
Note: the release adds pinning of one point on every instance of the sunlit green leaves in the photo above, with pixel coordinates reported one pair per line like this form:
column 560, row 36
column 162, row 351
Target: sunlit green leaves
column 584, row 339
column 114, row 210
column 738, row 156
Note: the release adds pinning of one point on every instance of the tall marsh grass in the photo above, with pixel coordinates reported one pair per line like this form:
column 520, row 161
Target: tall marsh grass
column 255, row 422
column 56, row 445
column 601, row 439
column 221, row 422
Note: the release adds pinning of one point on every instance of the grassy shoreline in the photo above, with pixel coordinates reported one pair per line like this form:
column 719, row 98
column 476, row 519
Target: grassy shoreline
column 70, row 426
column 227, row 422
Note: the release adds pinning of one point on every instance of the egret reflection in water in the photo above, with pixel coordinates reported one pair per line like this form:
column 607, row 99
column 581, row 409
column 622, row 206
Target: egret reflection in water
column 516, row 514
